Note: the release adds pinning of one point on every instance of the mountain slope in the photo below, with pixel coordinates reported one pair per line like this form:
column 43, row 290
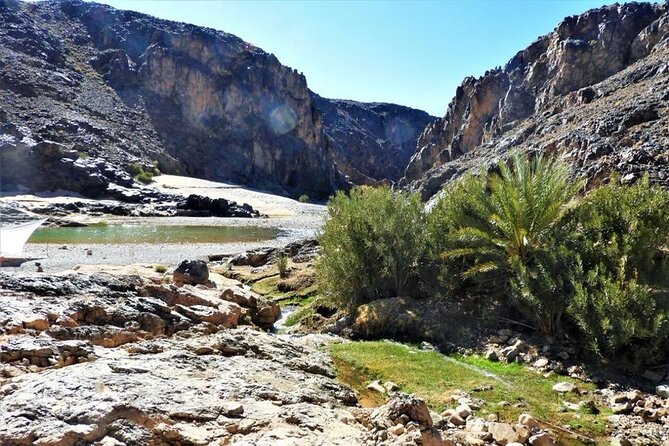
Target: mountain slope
column 595, row 91
column 87, row 90
column 371, row 142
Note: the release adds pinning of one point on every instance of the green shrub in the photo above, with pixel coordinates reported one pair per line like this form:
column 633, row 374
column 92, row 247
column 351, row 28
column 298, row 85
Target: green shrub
column 141, row 175
column 500, row 234
column 372, row 245
column 282, row 264
column 617, row 221
column 617, row 232
column 145, row 177
column 619, row 319
column 134, row 169
column 304, row 198
column 160, row 269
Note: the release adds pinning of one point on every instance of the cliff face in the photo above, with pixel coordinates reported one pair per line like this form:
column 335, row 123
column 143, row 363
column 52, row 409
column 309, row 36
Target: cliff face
column 371, row 142
column 86, row 88
column 595, row 90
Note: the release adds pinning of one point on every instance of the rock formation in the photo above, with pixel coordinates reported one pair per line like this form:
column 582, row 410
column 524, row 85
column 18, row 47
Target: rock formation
column 594, row 91
column 88, row 90
column 371, row 142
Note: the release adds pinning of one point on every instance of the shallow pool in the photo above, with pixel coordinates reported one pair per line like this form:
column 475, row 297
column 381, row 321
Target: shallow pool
column 123, row 234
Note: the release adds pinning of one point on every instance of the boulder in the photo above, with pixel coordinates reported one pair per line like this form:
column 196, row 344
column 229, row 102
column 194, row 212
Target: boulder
column 564, row 387
column 192, row 272
column 504, row 433
column 263, row 312
column 399, row 405
column 227, row 314
column 662, row 390
column 528, row 420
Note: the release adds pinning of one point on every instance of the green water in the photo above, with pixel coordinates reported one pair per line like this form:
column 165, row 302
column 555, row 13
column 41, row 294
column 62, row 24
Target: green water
column 122, row 234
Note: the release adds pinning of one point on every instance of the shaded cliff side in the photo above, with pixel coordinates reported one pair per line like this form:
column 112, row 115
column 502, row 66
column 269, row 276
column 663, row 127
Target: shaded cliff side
column 87, row 90
column 595, row 91
column 371, row 142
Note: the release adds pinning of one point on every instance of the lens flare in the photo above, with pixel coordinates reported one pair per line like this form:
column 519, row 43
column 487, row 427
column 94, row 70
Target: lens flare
column 282, row 119
column 399, row 131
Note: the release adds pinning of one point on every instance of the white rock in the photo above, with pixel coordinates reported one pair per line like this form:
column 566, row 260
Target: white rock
column 564, row 387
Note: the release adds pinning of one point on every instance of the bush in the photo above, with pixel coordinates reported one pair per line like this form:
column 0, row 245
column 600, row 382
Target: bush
column 620, row 319
column 145, row 177
column 617, row 232
column 304, row 198
column 138, row 172
column 282, row 264
column 617, row 221
column 372, row 245
column 160, row 269
column 499, row 233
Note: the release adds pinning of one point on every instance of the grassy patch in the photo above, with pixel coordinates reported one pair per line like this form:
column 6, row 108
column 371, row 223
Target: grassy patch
column 435, row 377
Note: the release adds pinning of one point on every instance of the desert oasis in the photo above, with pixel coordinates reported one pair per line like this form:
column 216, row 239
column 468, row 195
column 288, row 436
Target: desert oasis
column 198, row 249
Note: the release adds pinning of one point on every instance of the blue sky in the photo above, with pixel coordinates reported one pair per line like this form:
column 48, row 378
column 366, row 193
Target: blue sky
column 412, row 53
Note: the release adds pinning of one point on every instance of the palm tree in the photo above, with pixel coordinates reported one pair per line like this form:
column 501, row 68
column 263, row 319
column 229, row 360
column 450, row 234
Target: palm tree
column 502, row 230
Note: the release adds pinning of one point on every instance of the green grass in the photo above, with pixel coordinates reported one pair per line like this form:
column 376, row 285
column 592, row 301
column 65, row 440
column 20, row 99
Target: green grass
column 434, row 377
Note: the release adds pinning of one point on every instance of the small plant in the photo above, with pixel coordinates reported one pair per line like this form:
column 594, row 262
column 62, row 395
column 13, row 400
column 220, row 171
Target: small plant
column 141, row 175
column 134, row 169
column 160, row 269
column 282, row 264
column 304, row 198
column 83, row 155
column 145, row 178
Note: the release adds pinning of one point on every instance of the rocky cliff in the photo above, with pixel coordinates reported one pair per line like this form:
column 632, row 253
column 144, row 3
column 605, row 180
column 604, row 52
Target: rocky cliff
column 87, row 90
column 595, row 91
column 371, row 142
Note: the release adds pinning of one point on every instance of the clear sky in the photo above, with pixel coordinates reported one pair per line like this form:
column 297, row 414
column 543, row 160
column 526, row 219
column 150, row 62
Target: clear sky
column 412, row 53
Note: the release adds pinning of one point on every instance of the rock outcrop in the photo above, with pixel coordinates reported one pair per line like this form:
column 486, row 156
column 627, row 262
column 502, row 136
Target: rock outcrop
column 118, row 86
column 594, row 91
column 371, row 142
column 88, row 90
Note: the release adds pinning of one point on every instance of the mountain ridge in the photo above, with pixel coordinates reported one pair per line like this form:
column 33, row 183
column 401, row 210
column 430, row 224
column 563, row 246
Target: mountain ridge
column 88, row 90
column 586, row 91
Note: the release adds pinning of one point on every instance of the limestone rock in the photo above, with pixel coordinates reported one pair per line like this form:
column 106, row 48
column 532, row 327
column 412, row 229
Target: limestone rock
column 398, row 405
column 564, row 387
column 504, row 433
column 263, row 311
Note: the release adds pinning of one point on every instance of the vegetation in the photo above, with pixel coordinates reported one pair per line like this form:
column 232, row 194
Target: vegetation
column 141, row 175
column 304, row 198
column 615, row 232
column 160, row 269
column 501, row 233
column 435, row 377
column 586, row 267
column 282, row 264
column 372, row 245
